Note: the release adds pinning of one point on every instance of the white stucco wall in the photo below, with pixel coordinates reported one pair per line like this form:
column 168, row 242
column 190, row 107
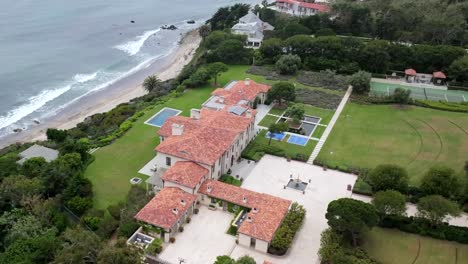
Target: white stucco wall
column 261, row 246
column 244, row 240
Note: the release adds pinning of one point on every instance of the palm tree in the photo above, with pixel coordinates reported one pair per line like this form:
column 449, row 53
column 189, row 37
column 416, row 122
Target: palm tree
column 204, row 31
column 152, row 83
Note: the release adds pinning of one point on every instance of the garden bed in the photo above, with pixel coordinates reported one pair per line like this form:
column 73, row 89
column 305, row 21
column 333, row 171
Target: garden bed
column 318, row 98
column 268, row 72
column 324, row 79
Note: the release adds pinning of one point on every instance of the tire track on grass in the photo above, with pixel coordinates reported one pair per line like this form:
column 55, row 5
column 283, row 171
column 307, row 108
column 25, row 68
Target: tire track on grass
column 438, row 136
column 417, row 253
column 461, row 128
column 420, row 141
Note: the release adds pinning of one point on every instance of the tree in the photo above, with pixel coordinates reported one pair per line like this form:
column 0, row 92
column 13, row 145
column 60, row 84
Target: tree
column 155, row 247
column 389, row 202
column 215, row 69
column 79, row 246
column 271, row 50
column 436, row 208
column 288, row 64
column 296, row 112
column 120, row 253
column 245, row 260
column 277, row 128
column 388, row 177
column 351, row 217
column 330, row 245
column 204, row 31
column 459, row 69
column 224, row 260
column 231, row 51
column 401, row 96
column 199, row 77
column 56, row 135
column 17, row 187
column 360, row 82
column 33, row 167
column 282, row 91
column 8, row 165
column 443, row 181
column 152, row 83
column 39, row 249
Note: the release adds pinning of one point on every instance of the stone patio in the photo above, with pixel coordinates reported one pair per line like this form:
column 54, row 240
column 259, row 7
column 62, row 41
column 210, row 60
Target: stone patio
column 270, row 175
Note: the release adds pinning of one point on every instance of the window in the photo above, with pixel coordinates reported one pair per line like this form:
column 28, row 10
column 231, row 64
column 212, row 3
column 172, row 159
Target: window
column 168, row 161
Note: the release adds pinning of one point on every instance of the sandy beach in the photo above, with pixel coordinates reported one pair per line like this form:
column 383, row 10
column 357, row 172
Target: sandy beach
column 120, row 92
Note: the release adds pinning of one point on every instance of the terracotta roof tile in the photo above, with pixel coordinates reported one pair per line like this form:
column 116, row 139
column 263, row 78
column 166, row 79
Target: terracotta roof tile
column 241, row 90
column 185, row 173
column 410, row 72
column 439, row 75
column 203, row 140
column 270, row 209
column 159, row 211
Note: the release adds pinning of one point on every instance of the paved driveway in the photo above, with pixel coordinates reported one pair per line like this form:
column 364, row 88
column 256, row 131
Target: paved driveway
column 203, row 239
column 270, row 175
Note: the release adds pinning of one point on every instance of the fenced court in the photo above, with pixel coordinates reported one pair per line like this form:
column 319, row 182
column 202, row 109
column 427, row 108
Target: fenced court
column 419, row 91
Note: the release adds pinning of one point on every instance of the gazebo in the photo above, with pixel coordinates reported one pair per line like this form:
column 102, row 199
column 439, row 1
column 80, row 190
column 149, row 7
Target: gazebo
column 438, row 78
column 410, row 75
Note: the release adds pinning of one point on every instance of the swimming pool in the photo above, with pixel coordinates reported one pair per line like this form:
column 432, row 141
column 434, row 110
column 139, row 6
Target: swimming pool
column 276, row 136
column 160, row 117
column 298, row 140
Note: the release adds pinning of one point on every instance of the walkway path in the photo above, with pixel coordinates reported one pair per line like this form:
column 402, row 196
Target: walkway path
column 330, row 126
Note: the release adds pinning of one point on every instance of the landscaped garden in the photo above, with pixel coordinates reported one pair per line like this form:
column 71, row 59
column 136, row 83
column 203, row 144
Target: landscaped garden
column 395, row 247
column 412, row 137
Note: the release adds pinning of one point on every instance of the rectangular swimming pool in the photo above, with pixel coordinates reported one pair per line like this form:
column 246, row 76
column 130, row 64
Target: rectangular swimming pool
column 298, row 140
column 276, row 136
column 158, row 119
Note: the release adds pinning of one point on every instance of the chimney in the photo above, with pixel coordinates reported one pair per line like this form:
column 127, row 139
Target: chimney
column 244, row 199
column 248, row 114
column 177, row 129
column 255, row 210
column 182, row 201
column 221, row 100
column 195, row 114
column 208, row 189
column 175, row 211
column 247, row 81
column 249, row 219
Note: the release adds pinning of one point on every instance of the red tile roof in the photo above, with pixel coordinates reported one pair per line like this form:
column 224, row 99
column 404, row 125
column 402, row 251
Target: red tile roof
column 270, row 209
column 159, row 211
column 185, row 173
column 410, row 72
column 321, row 8
column 203, row 140
column 439, row 75
column 241, row 90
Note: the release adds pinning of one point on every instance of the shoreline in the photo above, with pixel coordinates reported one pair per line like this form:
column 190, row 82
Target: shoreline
column 120, row 92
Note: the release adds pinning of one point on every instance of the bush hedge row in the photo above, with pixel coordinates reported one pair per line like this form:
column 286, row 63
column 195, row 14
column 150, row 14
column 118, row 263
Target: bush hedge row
column 447, row 106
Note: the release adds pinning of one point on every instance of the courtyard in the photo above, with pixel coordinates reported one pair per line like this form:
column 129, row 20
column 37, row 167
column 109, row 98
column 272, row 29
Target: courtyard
column 203, row 239
column 270, row 175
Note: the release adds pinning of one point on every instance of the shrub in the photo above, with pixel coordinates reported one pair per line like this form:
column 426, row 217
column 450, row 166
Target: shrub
column 436, row 208
column 285, row 234
column 401, row 96
column 155, row 247
column 360, row 82
column 195, row 211
column 56, row 135
column 188, row 220
column 92, row 222
column 79, row 205
column 172, row 239
column 181, row 229
column 443, row 181
column 387, row 176
column 288, row 64
column 389, row 202
column 362, row 187
column 453, row 107
column 127, row 228
column 115, row 209
column 107, row 226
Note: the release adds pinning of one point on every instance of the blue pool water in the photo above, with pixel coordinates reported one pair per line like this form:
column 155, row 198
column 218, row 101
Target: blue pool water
column 298, row 140
column 276, row 136
column 160, row 117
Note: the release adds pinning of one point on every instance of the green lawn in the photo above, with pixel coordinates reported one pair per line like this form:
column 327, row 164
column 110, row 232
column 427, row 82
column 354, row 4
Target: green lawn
column 325, row 114
column 414, row 137
column 276, row 111
column 391, row 246
column 318, row 132
column 268, row 120
column 117, row 163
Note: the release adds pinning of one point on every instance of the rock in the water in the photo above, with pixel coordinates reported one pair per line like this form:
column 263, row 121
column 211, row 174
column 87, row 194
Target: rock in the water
column 191, row 22
column 36, row 121
column 171, row 27
column 17, row 130
column 132, row 21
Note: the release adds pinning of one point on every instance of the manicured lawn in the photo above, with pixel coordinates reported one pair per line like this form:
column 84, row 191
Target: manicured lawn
column 276, row 111
column 117, row 163
column 415, row 138
column 268, row 120
column 325, row 114
column 318, row 132
column 395, row 247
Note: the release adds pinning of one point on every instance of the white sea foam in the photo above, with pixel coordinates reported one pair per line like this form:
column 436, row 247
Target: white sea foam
column 82, row 78
column 32, row 105
column 132, row 47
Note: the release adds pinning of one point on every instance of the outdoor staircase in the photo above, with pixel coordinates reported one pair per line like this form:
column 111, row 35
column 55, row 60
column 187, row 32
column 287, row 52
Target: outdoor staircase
column 329, row 128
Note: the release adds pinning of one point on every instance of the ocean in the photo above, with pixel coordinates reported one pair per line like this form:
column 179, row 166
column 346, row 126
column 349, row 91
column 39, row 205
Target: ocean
column 56, row 52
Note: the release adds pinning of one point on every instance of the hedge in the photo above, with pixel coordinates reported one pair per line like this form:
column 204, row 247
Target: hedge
column 424, row 228
column 255, row 151
column 453, row 107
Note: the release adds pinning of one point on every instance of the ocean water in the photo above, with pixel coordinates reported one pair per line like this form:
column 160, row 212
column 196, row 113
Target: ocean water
column 54, row 52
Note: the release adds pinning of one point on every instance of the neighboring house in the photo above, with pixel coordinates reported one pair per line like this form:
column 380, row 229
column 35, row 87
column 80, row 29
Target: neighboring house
column 301, row 8
column 253, row 27
column 241, row 93
column 437, row 78
column 260, row 223
column 37, row 151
